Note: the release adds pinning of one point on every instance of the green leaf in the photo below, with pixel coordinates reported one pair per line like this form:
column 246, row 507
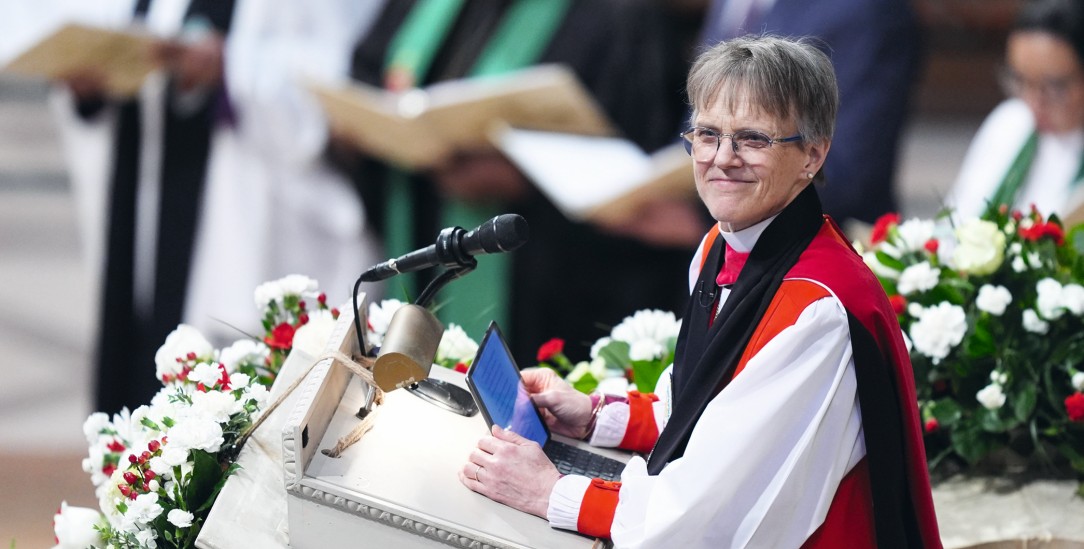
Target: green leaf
column 645, row 373
column 206, row 473
column 971, row 444
column 616, row 355
column 1024, row 403
column 889, row 261
column 586, row 384
column 947, row 412
column 980, row 342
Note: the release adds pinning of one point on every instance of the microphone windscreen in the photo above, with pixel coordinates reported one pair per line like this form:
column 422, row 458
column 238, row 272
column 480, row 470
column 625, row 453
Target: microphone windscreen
column 503, row 233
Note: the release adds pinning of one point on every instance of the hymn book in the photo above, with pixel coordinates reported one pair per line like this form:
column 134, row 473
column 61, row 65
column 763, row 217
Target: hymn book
column 599, row 179
column 122, row 57
column 419, row 128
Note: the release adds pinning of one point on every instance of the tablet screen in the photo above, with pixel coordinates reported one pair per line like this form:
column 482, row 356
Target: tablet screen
column 502, row 396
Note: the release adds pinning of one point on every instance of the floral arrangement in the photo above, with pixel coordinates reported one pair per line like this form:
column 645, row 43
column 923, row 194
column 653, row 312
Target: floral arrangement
column 637, row 350
column 158, row 469
column 993, row 310
column 456, row 349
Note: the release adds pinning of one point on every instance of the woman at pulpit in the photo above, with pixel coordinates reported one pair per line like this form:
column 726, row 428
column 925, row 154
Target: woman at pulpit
column 789, row 417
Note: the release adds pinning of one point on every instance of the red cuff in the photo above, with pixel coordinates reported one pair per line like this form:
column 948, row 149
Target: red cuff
column 642, row 431
column 598, row 507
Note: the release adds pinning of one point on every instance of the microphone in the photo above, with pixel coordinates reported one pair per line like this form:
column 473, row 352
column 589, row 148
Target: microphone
column 455, row 247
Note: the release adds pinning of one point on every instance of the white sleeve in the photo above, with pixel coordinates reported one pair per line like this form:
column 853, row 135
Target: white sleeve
column 766, row 457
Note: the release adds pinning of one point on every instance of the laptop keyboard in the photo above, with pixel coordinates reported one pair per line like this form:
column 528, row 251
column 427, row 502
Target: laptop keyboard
column 571, row 460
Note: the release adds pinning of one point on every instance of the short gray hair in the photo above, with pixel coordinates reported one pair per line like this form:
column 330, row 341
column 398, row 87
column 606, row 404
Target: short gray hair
column 786, row 78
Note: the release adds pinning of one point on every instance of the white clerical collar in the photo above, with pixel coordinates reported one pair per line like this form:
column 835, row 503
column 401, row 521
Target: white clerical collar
column 743, row 241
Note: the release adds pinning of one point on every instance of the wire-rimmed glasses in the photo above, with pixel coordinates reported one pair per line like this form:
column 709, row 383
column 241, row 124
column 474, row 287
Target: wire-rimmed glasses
column 1053, row 90
column 703, row 143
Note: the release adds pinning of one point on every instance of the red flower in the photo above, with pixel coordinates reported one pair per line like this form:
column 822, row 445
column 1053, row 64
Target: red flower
column 281, row 337
column 461, row 368
column 1074, row 406
column 115, row 446
column 931, row 245
column 881, row 227
column 932, row 425
column 551, row 349
column 899, row 304
column 1039, row 231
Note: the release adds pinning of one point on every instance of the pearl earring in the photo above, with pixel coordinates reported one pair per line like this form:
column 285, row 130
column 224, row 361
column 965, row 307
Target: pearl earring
column 809, row 175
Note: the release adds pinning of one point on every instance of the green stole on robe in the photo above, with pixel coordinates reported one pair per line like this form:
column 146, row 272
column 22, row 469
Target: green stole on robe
column 1009, row 189
column 525, row 29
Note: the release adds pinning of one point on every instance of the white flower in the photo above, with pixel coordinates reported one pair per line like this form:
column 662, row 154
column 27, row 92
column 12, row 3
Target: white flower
column 276, row 290
column 993, row 299
column 94, row 425
column 646, row 349
column 602, row 342
column 206, row 373
column 913, row 234
column 455, row 345
column 244, row 351
column 379, row 317
column 597, row 369
column 141, row 510
column 615, row 386
column 179, row 343
column 257, row 392
column 980, row 247
column 1035, row 260
column 998, row 377
column 915, row 310
column 939, row 329
column 239, row 380
column 180, row 518
column 991, row 397
column 1078, row 381
column 197, row 433
column 74, row 527
column 1049, row 301
column 1018, row 265
column 312, row 336
column 653, row 324
column 878, row 268
column 1072, row 298
column 146, row 537
column 1033, row 323
column 918, row 278
column 216, row 406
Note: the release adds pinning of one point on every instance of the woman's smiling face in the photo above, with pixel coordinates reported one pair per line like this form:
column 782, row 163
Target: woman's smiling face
column 741, row 189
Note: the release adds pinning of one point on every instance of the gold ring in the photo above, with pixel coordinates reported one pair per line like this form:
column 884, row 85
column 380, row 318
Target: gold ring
column 477, row 472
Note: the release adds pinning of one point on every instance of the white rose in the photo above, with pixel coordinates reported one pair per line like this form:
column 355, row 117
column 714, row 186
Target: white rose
column 993, row 299
column 180, row 518
column 919, row 277
column 991, row 397
column 1049, row 301
column 1033, row 323
column 913, row 234
column 74, row 527
column 456, row 345
column 1072, row 298
column 1078, row 381
column 938, row 330
column 179, row 343
column 244, row 351
column 312, row 336
column 980, row 247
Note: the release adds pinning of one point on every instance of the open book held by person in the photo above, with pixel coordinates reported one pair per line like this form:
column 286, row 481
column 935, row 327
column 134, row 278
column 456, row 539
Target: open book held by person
column 419, row 128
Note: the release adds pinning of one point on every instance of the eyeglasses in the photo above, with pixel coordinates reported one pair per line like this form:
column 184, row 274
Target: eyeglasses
column 1050, row 90
column 703, row 143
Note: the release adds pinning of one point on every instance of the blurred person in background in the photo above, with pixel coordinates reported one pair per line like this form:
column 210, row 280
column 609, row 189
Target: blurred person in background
column 1030, row 149
column 570, row 280
column 874, row 48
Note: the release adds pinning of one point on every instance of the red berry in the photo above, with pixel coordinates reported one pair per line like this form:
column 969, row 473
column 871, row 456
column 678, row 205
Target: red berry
column 154, row 445
column 130, row 477
column 149, row 475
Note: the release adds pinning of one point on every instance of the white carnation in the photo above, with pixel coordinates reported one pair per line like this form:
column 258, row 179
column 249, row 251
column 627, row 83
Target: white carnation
column 146, row 537
column 913, row 234
column 1072, row 298
column 379, row 318
column 938, row 330
column 266, row 293
column 1049, row 300
column 256, row 392
column 206, row 373
column 991, row 396
column 197, row 433
column 456, row 345
column 299, row 285
column 94, row 425
column 646, row 349
column 216, row 406
column 1033, row 323
column 180, row 518
column 615, row 386
column 179, row 343
column 993, row 299
column 919, row 277
column 915, row 309
column 653, row 325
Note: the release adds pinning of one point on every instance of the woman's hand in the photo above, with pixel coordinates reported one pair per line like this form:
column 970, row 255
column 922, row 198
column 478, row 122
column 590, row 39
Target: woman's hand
column 512, row 470
column 480, row 176
column 566, row 410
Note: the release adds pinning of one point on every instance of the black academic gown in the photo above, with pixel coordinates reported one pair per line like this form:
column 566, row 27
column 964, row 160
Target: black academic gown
column 128, row 338
column 570, row 280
